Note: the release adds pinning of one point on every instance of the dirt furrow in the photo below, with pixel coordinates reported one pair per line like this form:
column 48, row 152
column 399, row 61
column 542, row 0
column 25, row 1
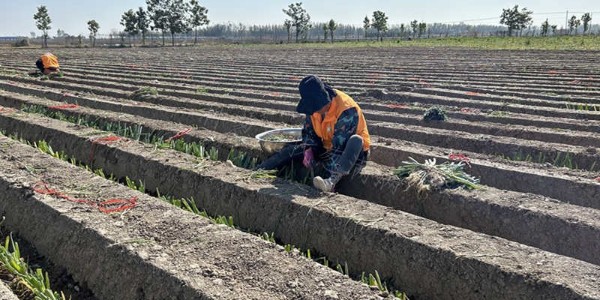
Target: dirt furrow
column 577, row 188
column 387, row 82
column 572, row 156
column 137, row 255
column 464, row 209
column 267, row 70
column 399, row 244
column 444, row 87
column 184, row 99
column 577, row 90
column 503, row 108
column 273, row 99
column 409, row 97
column 287, row 102
column 487, row 95
column 547, row 76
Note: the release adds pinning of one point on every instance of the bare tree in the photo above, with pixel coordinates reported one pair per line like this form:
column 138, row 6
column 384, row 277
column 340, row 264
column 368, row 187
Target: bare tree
column 42, row 21
column 586, row 19
column 198, row 17
column 515, row 19
column 142, row 23
column 300, row 19
column 288, row 27
column 129, row 21
column 158, row 11
column 332, row 26
column 414, row 24
column 379, row 22
column 545, row 28
column 93, row 27
column 422, row 28
column 366, row 25
column 574, row 24
column 176, row 20
column 402, row 30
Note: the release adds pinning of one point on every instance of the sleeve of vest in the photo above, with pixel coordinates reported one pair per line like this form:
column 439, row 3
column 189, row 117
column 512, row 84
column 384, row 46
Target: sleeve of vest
column 345, row 127
column 309, row 136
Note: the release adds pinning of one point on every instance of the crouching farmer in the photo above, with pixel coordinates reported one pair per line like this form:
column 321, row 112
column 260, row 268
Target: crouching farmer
column 47, row 64
column 335, row 139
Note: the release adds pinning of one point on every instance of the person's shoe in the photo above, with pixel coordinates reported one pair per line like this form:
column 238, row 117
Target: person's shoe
column 324, row 185
column 327, row 185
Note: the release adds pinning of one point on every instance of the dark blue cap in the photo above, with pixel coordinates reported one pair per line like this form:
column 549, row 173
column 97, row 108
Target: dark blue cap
column 314, row 95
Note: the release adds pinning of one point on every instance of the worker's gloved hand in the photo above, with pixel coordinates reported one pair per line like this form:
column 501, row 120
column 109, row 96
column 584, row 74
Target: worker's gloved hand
column 308, row 158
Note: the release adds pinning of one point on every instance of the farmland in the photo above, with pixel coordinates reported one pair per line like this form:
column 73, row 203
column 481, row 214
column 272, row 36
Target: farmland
column 525, row 122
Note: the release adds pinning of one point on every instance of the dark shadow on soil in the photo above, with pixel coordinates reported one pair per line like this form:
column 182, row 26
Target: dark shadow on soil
column 283, row 189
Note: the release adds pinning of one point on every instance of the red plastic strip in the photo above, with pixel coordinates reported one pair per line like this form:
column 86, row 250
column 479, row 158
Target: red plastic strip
column 470, row 110
column 179, row 134
column 460, row 157
column 64, row 106
column 117, row 205
column 6, row 110
column 107, row 206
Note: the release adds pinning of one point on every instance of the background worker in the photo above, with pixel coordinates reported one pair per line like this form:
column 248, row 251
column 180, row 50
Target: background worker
column 48, row 63
column 334, row 136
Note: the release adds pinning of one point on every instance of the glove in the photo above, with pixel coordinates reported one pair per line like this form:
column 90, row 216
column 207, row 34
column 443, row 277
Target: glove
column 308, row 158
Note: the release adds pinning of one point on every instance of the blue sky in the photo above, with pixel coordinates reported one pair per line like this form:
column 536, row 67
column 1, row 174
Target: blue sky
column 72, row 15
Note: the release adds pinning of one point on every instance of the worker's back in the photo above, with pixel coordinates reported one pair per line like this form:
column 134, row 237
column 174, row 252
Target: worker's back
column 50, row 61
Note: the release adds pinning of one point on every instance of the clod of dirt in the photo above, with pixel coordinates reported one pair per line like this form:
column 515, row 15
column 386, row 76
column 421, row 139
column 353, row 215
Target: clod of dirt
column 144, row 92
column 435, row 113
column 375, row 93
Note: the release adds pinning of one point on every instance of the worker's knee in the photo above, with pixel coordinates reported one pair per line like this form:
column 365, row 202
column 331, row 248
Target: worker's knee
column 356, row 141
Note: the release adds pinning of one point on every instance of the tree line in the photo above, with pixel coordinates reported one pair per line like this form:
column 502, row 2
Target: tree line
column 176, row 17
column 316, row 32
column 164, row 16
column 516, row 19
column 43, row 21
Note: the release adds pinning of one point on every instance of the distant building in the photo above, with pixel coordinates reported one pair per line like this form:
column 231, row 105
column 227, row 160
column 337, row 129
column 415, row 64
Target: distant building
column 11, row 38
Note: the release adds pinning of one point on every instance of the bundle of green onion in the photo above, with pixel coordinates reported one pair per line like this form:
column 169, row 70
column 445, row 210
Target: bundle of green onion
column 432, row 176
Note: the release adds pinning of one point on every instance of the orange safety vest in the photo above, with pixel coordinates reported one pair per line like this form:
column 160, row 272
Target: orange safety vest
column 50, row 60
column 325, row 128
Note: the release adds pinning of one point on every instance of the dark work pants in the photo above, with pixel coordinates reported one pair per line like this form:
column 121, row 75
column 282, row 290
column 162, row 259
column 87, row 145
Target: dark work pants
column 40, row 65
column 353, row 158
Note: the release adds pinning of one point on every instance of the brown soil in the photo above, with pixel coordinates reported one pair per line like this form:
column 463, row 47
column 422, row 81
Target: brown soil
column 262, row 206
column 552, row 135
column 586, row 158
column 466, row 210
column 386, row 152
column 6, row 293
column 60, row 279
column 147, row 243
column 515, row 103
